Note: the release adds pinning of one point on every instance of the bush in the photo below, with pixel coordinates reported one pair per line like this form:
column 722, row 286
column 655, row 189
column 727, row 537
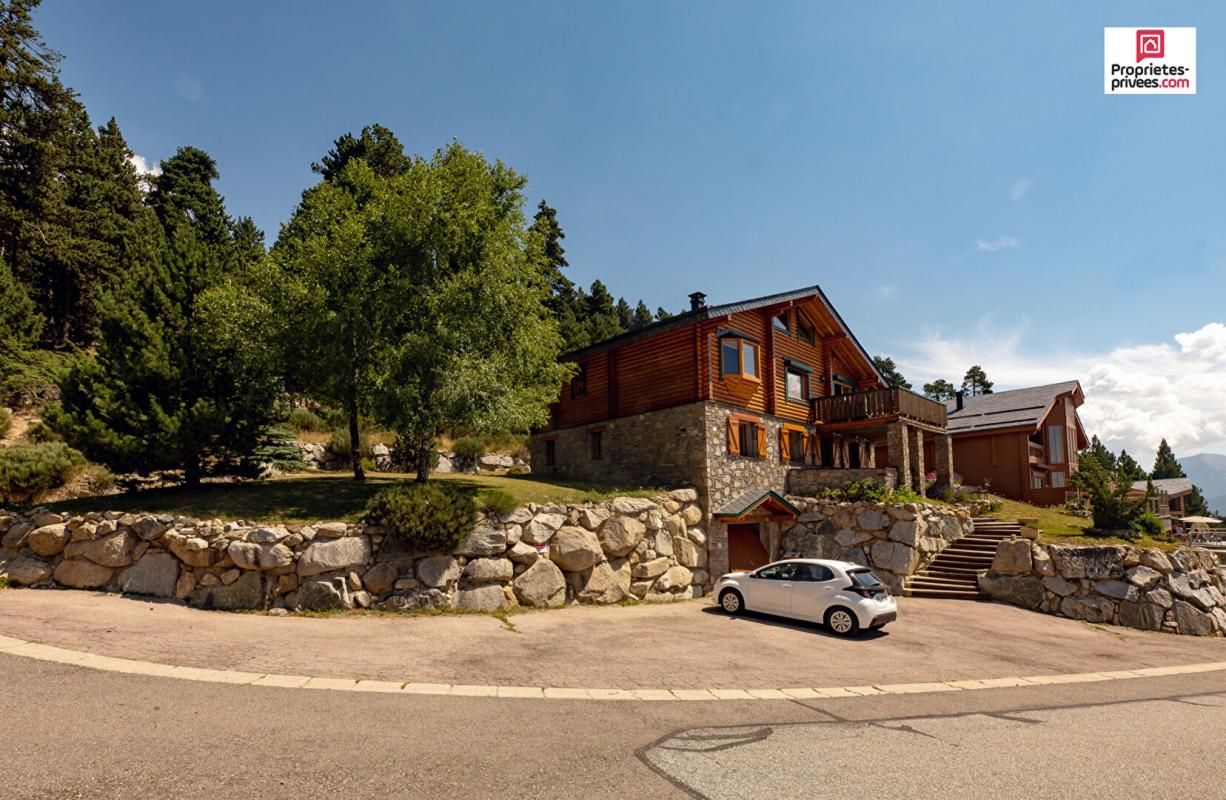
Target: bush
column 469, row 448
column 42, row 433
column 99, row 479
column 498, row 501
column 303, row 420
column 338, row 444
column 279, row 448
column 6, row 422
column 1149, row 524
column 870, row 491
column 28, row 470
column 430, row 517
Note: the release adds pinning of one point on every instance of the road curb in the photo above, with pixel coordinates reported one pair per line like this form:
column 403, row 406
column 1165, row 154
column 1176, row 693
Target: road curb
column 76, row 658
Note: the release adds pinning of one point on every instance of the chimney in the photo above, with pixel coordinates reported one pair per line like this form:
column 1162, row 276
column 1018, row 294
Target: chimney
column 960, row 399
column 698, row 300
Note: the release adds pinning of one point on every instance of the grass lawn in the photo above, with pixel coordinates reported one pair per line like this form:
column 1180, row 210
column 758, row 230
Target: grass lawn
column 311, row 496
column 1056, row 526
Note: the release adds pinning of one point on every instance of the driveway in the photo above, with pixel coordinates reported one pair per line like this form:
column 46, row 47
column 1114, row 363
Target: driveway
column 679, row 646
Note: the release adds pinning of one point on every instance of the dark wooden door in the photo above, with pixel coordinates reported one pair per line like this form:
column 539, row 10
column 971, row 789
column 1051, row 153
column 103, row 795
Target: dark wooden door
column 745, row 550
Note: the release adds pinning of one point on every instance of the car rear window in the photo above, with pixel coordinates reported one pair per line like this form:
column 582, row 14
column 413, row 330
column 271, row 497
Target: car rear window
column 864, row 579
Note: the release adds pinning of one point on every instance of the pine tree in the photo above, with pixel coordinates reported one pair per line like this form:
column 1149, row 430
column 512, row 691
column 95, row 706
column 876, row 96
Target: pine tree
column 600, row 314
column 976, row 382
column 625, row 314
column 1127, row 466
column 662, row 313
column 1098, row 451
column 940, row 390
column 642, row 315
column 182, row 379
column 376, row 145
column 1165, row 464
column 20, row 323
column 889, row 371
column 1194, row 505
column 565, row 301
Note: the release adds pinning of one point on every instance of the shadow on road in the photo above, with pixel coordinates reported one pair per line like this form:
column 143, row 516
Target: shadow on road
column 796, row 624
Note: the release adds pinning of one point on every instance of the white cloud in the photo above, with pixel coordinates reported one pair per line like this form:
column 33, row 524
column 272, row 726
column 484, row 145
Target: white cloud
column 142, row 165
column 1135, row 395
column 885, row 291
column 1020, row 188
column 997, row 244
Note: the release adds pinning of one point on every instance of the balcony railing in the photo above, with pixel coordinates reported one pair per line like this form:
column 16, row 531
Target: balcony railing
column 1036, row 453
column 878, row 404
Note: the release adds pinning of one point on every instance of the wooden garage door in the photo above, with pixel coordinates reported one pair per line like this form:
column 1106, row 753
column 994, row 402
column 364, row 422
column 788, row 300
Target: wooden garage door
column 745, row 550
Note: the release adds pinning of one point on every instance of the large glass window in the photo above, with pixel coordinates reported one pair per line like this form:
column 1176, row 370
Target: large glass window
column 749, row 440
column 813, row 573
column 777, row 572
column 749, row 354
column 797, row 385
column 1055, row 444
column 1057, row 480
column 730, row 354
column 780, row 322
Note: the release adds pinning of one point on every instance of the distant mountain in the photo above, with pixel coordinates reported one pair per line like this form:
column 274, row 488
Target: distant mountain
column 1208, row 471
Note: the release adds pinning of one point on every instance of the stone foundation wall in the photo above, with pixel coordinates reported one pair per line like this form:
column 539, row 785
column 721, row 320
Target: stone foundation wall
column 892, row 540
column 1145, row 588
column 547, row 555
column 658, row 448
column 811, row 480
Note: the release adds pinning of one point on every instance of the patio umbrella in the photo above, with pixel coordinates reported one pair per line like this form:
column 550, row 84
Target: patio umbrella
column 1201, row 520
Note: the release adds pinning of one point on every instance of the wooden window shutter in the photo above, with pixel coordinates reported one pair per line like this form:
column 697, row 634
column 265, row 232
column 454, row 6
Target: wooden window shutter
column 761, row 441
column 785, row 445
column 734, row 436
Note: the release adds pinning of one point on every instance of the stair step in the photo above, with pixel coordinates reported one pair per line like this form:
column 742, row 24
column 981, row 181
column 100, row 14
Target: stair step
column 942, row 594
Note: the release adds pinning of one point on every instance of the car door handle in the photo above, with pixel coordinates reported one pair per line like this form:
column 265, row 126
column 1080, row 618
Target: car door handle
column 786, row 585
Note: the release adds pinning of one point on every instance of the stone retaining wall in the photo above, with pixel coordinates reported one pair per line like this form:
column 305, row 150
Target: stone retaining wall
column 540, row 555
column 1145, row 588
column 893, row 540
column 811, row 480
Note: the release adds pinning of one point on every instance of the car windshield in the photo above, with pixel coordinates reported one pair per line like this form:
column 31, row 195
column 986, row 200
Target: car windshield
column 864, row 579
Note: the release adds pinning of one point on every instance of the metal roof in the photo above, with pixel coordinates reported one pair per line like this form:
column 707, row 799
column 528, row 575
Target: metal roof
column 1171, row 486
column 748, row 500
column 1010, row 409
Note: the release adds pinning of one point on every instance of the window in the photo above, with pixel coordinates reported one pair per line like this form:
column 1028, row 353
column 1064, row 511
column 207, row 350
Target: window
column 777, row 572
column 843, row 386
column 1036, row 480
column 551, row 452
column 749, row 439
column 796, row 447
column 594, row 443
column 730, row 355
column 780, row 323
column 813, row 573
column 749, row 358
column 797, row 385
column 864, row 579
column 805, row 332
column 1057, row 480
column 578, row 384
column 1055, row 444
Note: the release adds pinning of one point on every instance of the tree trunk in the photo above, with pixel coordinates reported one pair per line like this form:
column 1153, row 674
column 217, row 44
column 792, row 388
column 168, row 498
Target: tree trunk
column 355, row 447
column 192, row 471
column 424, row 446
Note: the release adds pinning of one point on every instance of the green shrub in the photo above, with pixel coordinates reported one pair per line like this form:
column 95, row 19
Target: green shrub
column 6, row 422
column 338, row 444
column 303, row 420
column 498, row 501
column 279, row 448
column 869, row 491
column 1149, row 524
column 428, row 516
column 42, row 433
column 469, row 448
column 100, row 480
column 28, row 470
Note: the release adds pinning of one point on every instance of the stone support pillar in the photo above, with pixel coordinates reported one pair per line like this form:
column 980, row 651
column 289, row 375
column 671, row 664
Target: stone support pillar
column 945, row 459
column 917, row 459
column 899, row 446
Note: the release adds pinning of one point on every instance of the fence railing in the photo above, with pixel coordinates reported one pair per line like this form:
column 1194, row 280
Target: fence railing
column 879, row 403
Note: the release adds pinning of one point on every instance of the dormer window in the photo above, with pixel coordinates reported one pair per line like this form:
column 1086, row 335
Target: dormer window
column 780, row 322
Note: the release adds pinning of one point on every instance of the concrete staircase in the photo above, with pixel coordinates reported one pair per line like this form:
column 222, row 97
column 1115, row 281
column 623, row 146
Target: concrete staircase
column 952, row 574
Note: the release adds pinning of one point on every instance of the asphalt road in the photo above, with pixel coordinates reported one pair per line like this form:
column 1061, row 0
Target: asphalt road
column 78, row 733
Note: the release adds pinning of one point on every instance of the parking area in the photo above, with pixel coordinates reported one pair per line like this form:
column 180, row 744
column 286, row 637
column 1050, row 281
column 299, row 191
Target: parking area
column 678, row 646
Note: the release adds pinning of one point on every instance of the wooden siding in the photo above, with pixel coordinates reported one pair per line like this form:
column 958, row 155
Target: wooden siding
column 592, row 406
column 1000, row 458
column 655, row 373
column 813, row 356
column 744, row 395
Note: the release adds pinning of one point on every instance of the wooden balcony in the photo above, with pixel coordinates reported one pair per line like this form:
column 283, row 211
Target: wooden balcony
column 1036, row 453
column 878, row 406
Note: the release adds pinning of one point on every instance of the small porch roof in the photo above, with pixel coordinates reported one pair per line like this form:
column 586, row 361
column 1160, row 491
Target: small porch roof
column 757, row 504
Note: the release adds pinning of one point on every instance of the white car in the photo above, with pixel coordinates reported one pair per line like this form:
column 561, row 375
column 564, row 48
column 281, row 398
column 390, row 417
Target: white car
column 845, row 597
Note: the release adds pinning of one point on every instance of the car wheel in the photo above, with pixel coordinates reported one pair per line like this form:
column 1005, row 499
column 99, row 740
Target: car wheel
column 731, row 602
column 842, row 621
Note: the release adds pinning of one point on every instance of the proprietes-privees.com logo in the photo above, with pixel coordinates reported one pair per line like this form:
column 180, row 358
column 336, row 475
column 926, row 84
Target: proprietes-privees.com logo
column 1149, row 60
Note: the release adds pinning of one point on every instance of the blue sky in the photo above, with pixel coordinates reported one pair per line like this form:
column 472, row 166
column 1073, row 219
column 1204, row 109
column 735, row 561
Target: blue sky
column 952, row 174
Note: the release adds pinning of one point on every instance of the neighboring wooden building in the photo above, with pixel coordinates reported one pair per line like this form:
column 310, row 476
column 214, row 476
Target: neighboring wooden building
column 1171, row 501
column 1024, row 442
column 730, row 399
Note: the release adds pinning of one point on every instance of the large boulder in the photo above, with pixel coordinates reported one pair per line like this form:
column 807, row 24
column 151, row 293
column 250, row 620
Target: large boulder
column 1020, row 590
column 326, row 556
column 523, row 553
column 632, row 505
column 481, row 598
column 321, row 595
column 193, row 551
column 275, row 556
column 416, row 600
column 48, row 540
column 541, row 585
column 155, row 574
column 651, row 569
column 1090, row 608
column 82, row 574
column 1117, row 590
column 1142, row 576
column 26, row 571
column 904, row 531
column 1073, row 561
column 605, row 584
column 244, row 594
column 488, row 570
column 871, row 519
column 619, row 535
column 484, row 541
column 575, row 549
column 689, row 554
column 542, row 527
column 16, row 535
column 114, row 550
column 245, row 555
column 438, row 571
column 892, row 556
column 1193, row 621
column 1145, row 616
column 1013, row 557
column 675, row 580
column 381, row 578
